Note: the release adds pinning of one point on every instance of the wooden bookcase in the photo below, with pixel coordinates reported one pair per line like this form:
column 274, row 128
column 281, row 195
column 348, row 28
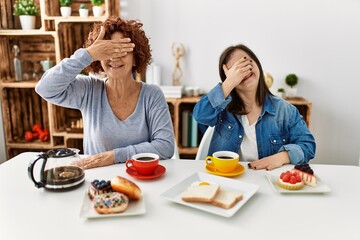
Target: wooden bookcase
column 54, row 38
column 176, row 107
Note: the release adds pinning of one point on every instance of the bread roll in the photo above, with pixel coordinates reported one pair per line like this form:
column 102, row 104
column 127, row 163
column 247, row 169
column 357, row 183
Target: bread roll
column 123, row 185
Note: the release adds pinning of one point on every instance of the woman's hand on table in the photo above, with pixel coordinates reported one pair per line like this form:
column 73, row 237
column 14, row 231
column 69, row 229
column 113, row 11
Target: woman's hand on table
column 97, row 160
column 271, row 162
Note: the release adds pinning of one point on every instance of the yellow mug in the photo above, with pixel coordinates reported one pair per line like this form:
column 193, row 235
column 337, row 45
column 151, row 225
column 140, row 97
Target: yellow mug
column 223, row 161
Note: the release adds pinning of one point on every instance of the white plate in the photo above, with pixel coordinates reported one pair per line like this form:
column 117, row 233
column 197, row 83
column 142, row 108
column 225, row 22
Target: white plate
column 272, row 176
column 248, row 190
column 135, row 207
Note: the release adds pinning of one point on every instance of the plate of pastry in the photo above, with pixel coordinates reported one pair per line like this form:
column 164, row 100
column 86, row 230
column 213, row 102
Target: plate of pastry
column 298, row 179
column 116, row 198
column 210, row 193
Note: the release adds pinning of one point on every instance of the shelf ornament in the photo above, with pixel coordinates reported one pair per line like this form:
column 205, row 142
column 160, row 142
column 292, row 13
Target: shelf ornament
column 178, row 51
column 97, row 8
column 65, row 8
column 27, row 11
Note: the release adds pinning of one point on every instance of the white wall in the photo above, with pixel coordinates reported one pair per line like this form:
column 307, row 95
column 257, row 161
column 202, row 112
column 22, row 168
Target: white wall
column 318, row 40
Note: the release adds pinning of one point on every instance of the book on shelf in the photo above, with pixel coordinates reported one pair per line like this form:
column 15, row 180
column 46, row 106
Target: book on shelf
column 194, row 131
column 189, row 130
column 172, row 91
column 185, row 128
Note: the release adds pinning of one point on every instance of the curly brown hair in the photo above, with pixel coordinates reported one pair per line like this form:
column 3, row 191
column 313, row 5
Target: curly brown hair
column 131, row 29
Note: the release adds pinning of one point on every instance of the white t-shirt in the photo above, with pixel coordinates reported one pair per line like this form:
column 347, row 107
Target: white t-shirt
column 248, row 147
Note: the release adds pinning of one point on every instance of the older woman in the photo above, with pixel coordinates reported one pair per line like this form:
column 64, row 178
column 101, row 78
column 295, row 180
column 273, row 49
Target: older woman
column 121, row 116
column 265, row 130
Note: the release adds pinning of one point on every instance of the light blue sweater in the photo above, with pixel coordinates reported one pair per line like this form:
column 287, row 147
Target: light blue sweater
column 147, row 129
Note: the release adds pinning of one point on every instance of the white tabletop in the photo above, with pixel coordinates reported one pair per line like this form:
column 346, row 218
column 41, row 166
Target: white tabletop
column 30, row 213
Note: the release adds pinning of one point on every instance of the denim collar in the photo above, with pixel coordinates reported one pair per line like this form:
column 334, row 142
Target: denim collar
column 268, row 107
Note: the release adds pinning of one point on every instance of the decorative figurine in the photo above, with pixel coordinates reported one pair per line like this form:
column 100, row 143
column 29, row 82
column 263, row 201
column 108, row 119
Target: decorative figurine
column 17, row 63
column 178, row 51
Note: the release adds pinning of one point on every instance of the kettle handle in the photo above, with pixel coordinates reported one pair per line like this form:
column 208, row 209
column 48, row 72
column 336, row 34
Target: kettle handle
column 31, row 170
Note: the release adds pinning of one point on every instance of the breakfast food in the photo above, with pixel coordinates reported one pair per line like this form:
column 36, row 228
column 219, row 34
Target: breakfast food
column 99, row 187
column 290, row 181
column 203, row 183
column 129, row 188
column 210, row 192
column 306, row 173
column 112, row 202
column 226, row 199
column 200, row 192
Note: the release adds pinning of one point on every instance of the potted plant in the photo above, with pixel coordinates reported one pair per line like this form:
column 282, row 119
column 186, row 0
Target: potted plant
column 280, row 92
column 291, row 80
column 65, row 8
column 83, row 10
column 97, row 7
column 27, row 11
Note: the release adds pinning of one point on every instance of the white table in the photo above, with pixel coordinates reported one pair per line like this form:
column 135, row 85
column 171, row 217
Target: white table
column 30, row 213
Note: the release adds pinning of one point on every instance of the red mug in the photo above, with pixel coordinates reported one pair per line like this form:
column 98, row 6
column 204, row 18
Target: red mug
column 143, row 163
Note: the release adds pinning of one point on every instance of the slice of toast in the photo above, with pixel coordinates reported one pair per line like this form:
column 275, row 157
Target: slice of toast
column 205, row 193
column 226, row 199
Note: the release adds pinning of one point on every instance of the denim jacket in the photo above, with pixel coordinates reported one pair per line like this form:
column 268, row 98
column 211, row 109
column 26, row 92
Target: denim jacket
column 280, row 127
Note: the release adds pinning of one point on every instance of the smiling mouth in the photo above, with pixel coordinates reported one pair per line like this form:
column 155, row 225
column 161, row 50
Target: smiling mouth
column 249, row 75
column 116, row 65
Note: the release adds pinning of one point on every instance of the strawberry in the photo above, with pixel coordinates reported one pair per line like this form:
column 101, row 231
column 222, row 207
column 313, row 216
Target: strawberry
column 298, row 178
column 282, row 175
column 293, row 180
column 286, row 178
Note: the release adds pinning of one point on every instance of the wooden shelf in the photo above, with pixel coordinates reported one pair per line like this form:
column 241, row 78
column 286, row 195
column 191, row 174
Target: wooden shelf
column 55, row 38
column 19, row 84
column 29, row 145
column 75, row 19
column 304, row 107
column 69, row 135
column 19, row 32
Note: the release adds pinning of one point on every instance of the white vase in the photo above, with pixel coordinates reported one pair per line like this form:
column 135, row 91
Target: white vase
column 65, row 11
column 27, row 22
column 98, row 11
column 291, row 92
column 84, row 12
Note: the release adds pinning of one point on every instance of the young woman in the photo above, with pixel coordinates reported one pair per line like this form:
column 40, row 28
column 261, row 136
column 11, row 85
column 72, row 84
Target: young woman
column 265, row 130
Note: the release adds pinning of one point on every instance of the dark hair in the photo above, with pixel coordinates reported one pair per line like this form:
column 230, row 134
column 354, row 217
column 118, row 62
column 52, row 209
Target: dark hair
column 131, row 29
column 237, row 105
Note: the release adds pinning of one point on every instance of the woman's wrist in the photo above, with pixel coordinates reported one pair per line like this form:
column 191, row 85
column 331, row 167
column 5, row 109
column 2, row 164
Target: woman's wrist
column 227, row 87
